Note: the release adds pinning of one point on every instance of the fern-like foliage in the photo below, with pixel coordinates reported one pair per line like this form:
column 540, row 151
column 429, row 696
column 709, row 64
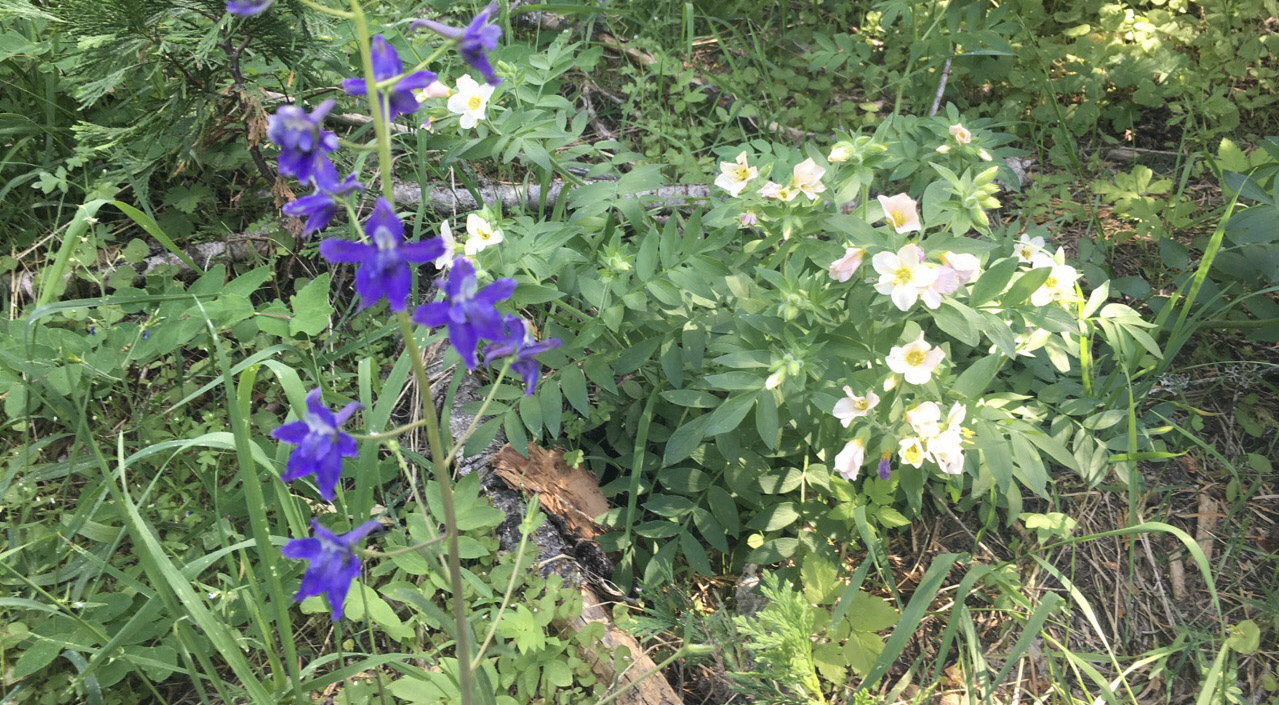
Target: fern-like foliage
column 779, row 638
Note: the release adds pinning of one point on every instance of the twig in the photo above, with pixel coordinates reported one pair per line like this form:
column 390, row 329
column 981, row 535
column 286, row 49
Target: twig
column 941, row 88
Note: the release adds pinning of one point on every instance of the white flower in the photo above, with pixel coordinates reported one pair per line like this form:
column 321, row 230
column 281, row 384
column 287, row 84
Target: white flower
column 806, row 178
column 841, row 152
column 842, row 269
column 911, row 451
column 733, row 176
column 961, row 134
column 915, row 361
column 775, row 380
column 445, row 260
column 470, row 101
column 965, row 266
column 902, row 276
column 853, row 406
column 945, row 284
column 1059, row 286
column 1025, row 344
column 480, row 235
column 947, row 450
column 901, row 212
column 925, row 419
column 1027, row 247
column 774, row 190
column 849, row 461
column 955, row 416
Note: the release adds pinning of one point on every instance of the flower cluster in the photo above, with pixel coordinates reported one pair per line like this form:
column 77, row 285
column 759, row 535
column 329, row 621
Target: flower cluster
column 1059, row 286
column 963, row 138
column 905, row 277
column 931, row 440
column 386, row 261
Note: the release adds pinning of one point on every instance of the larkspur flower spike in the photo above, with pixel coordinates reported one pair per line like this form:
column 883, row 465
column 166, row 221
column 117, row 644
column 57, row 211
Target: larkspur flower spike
column 302, row 141
column 334, row 564
column 399, row 99
column 321, row 446
column 474, row 42
column 523, row 350
column 468, row 311
column 248, row 8
column 384, row 265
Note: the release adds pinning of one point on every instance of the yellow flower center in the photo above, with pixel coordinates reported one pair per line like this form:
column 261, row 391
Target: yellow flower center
column 861, row 405
column 741, row 173
column 912, row 454
column 898, row 218
column 475, row 102
column 1051, row 282
column 902, row 276
column 916, row 358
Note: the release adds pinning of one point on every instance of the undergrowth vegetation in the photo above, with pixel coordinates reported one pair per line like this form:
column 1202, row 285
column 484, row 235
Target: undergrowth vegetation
column 880, row 352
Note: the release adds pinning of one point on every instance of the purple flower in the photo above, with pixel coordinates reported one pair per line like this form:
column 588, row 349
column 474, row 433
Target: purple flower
column 333, row 563
column 384, row 265
column 320, row 207
column 523, row 349
column 884, row 465
column 474, row 42
column 387, row 65
column 467, row 310
column 303, row 143
column 248, row 8
column 320, row 445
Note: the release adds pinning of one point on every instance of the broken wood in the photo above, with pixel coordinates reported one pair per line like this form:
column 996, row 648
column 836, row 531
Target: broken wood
column 570, row 493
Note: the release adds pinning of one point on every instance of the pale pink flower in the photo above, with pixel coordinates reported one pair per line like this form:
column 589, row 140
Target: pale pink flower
column 849, row 461
column 748, row 219
column 777, row 191
column 842, row 269
column 945, row 284
column 903, row 276
column 965, row 266
column 947, row 450
column 961, row 134
column 900, row 210
column 806, row 178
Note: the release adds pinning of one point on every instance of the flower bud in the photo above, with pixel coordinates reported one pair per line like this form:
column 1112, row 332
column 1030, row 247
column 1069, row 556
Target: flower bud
column 841, row 152
column 943, row 149
column 983, row 155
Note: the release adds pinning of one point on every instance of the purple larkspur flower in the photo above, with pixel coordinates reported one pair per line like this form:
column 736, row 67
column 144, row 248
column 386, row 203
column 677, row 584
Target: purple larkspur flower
column 334, row 564
column 387, row 65
column 321, row 446
column 320, row 207
column 302, row 141
column 384, row 265
column 248, row 8
column 885, row 464
column 469, row 311
column 523, row 349
column 474, row 42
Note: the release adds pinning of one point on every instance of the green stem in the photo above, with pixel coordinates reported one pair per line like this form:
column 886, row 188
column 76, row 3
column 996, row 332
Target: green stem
column 401, row 551
column 506, row 597
column 439, row 51
column 645, row 676
column 384, row 435
column 475, row 420
column 374, row 97
column 445, row 479
column 326, row 10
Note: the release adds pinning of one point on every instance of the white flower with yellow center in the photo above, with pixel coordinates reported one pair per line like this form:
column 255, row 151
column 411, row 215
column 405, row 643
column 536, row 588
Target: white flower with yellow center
column 849, row 461
column 480, row 235
column 1027, row 247
column 470, row 100
column 961, row 134
column 806, row 178
column 445, row 260
column 842, row 269
column 945, row 284
column 733, row 176
column 852, row 406
column 774, row 190
column 947, row 450
column 915, row 361
column 911, row 451
column 903, row 276
column 925, row 419
column 901, row 211
column 1059, row 286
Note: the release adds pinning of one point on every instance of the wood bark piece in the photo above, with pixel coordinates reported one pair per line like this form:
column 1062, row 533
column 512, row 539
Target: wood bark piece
column 653, row 690
column 570, row 493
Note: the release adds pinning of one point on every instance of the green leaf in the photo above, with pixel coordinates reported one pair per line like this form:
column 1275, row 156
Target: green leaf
column 973, row 381
column 1025, row 286
column 685, row 440
column 724, row 509
column 992, row 281
column 1244, row 637
column 573, row 384
column 34, row 658
column 820, row 579
column 958, row 321
column 766, row 422
column 868, row 613
column 861, row 650
column 730, row 414
column 311, row 307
